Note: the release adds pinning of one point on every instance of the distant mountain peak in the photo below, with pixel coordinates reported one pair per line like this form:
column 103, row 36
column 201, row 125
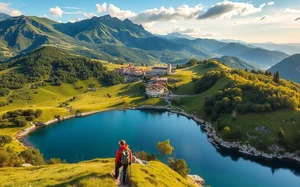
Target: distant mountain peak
column 4, row 16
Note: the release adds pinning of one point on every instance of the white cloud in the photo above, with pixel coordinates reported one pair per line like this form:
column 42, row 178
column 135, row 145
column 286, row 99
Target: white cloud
column 228, row 9
column 5, row 8
column 72, row 8
column 121, row 14
column 101, row 8
column 89, row 15
column 271, row 3
column 292, row 11
column 45, row 16
column 72, row 21
column 191, row 31
column 56, row 12
column 72, row 13
column 183, row 12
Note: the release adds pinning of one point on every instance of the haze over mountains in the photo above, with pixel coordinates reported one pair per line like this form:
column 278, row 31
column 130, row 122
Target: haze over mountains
column 109, row 38
column 289, row 68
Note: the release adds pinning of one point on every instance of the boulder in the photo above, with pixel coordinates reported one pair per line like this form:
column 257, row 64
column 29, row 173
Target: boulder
column 197, row 179
column 26, row 165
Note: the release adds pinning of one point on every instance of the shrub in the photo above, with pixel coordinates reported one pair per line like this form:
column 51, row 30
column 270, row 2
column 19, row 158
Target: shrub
column 20, row 121
column 38, row 113
column 280, row 134
column 53, row 161
column 180, row 166
column 145, row 156
column 32, row 156
column 9, row 158
column 4, row 139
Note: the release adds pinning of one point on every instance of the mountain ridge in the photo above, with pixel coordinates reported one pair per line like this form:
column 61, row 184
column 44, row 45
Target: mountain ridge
column 126, row 41
column 288, row 68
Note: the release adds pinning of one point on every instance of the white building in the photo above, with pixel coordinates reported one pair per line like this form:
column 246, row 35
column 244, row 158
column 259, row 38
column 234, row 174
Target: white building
column 160, row 71
column 156, row 89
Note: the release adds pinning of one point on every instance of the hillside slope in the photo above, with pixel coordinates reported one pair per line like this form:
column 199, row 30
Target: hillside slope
column 288, row 68
column 258, row 56
column 90, row 173
column 235, row 63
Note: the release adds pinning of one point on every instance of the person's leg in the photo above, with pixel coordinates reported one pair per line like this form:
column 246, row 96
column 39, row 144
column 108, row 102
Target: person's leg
column 117, row 168
column 125, row 172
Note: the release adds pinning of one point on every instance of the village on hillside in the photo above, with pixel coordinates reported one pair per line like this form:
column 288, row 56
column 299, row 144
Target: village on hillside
column 155, row 82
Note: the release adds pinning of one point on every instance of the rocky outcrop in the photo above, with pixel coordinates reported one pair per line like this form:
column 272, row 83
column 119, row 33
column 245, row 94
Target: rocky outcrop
column 197, row 179
column 139, row 161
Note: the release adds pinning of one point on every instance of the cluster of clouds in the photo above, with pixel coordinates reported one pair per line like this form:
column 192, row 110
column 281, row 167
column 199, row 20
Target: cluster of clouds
column 222, row 10
column 6, row 8
column 191, row 31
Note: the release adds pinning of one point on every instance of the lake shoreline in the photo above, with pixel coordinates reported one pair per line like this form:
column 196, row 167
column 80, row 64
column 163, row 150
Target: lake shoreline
column 245, row 150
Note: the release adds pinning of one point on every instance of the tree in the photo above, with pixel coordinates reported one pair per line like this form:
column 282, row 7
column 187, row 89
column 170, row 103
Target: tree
column 276, row 77
column 4, row 139
column 226, row 131
column 164, row 148
column 32, row 156
column 20, row 121
column 280, row 134
column 38, row 113
column 180, row 166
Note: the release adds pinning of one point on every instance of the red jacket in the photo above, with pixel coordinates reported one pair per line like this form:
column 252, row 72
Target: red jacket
column 119, row 153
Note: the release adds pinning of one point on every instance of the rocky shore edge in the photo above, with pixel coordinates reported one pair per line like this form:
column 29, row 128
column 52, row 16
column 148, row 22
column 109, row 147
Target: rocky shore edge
column 219, row 143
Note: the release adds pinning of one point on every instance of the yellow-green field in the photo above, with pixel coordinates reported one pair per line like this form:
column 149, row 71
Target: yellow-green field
column 94, row 173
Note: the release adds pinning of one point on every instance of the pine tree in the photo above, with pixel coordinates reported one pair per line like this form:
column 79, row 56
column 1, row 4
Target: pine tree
column 276, row 77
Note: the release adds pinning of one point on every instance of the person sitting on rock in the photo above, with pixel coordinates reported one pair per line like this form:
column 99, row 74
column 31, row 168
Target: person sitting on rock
column 123, row 158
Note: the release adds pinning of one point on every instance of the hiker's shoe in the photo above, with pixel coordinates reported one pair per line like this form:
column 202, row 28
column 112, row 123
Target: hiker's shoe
column 114, row 176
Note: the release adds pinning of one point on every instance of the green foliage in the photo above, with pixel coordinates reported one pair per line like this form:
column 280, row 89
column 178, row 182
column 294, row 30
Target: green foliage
column 145, row 156
column 276, row 77
column 9, row 158
column 208, row 80
column 4, row 92
column 180, row 166
column 280, row 134
column 226, row 130
column 56, row 66
column 5, row 139
column 252, row 92
column 53, row 161
column 112, row 78
column 20, row 121
column 164, row 148
column 21, row 117
column 32, row 156
column 38, row 113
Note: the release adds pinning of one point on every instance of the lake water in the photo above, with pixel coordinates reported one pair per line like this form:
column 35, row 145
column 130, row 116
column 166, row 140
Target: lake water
column 97, row 136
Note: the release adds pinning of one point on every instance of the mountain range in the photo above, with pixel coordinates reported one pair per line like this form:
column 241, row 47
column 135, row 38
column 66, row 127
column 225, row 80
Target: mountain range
column 109, row 38
column 288, row 68
column 235, row 63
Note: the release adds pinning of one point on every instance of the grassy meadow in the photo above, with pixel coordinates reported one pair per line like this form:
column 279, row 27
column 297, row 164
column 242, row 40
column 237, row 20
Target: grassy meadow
column 93, row 173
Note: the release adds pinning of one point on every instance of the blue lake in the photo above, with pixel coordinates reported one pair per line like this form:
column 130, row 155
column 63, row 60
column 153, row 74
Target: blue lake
column 97, row 136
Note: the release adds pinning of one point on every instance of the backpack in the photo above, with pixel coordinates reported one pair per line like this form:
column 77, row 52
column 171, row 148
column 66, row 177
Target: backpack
column 125, row 156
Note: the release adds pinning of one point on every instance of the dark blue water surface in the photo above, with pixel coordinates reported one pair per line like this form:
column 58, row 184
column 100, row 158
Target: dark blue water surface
column 97, row 136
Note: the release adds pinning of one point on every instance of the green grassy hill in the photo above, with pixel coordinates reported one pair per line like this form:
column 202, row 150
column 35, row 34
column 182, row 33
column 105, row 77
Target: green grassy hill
column 90, row 174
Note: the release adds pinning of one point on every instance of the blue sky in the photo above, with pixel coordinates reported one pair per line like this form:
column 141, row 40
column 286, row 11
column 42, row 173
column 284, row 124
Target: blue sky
column 253, row 21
